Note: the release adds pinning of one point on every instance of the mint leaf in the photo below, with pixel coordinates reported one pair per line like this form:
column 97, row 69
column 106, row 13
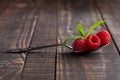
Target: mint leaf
column 69, row 39
column 93, row 27
column 80, row 30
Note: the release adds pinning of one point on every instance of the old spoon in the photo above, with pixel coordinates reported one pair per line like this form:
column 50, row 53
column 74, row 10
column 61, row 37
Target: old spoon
column 23, row 50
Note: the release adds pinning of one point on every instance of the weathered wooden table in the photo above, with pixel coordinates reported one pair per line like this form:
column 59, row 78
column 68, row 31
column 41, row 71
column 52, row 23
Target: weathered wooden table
column 26, row 23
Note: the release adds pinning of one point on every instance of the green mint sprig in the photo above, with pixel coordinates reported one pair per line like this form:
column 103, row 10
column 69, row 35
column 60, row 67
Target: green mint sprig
column 81, row 31
column 92, row 27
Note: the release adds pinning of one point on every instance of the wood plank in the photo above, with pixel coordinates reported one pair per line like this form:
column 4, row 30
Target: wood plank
column 111, row 14
column 102, row 64
column 4, row 5
column 40, row 64
column 16, row 23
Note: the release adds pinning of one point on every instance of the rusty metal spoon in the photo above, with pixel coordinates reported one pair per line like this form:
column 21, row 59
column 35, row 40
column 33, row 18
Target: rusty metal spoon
column 23, row 50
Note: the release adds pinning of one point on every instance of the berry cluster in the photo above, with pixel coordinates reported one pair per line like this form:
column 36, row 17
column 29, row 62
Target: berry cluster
column 92, row 42
column 87, row 41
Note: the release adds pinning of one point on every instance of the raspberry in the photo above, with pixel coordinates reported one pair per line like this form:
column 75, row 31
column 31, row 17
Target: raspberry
column 79, row 45
column 93, row 42
column 104, row 37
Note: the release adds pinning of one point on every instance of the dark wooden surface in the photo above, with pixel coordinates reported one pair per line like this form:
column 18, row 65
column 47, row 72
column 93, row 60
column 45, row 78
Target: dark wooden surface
column 26, row 23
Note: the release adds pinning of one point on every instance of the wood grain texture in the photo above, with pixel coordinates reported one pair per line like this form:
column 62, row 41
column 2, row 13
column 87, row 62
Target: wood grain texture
column 25, row 23
column 111, row 14
column 102, row 64
column 16, row 23
column 40, row 64
column 3, row 5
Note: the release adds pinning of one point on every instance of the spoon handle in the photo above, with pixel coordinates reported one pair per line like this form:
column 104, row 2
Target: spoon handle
column 23, row 50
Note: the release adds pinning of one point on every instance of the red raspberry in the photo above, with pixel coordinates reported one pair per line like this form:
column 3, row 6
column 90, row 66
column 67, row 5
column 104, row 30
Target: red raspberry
column 93, row 42
column 104, row 37
column 79, row 45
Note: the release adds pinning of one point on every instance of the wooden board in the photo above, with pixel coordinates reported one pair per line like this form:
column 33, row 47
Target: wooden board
column 25, row 23
column 111, row 14
column 102, row 64
column 16, row 23
column 40, row 64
